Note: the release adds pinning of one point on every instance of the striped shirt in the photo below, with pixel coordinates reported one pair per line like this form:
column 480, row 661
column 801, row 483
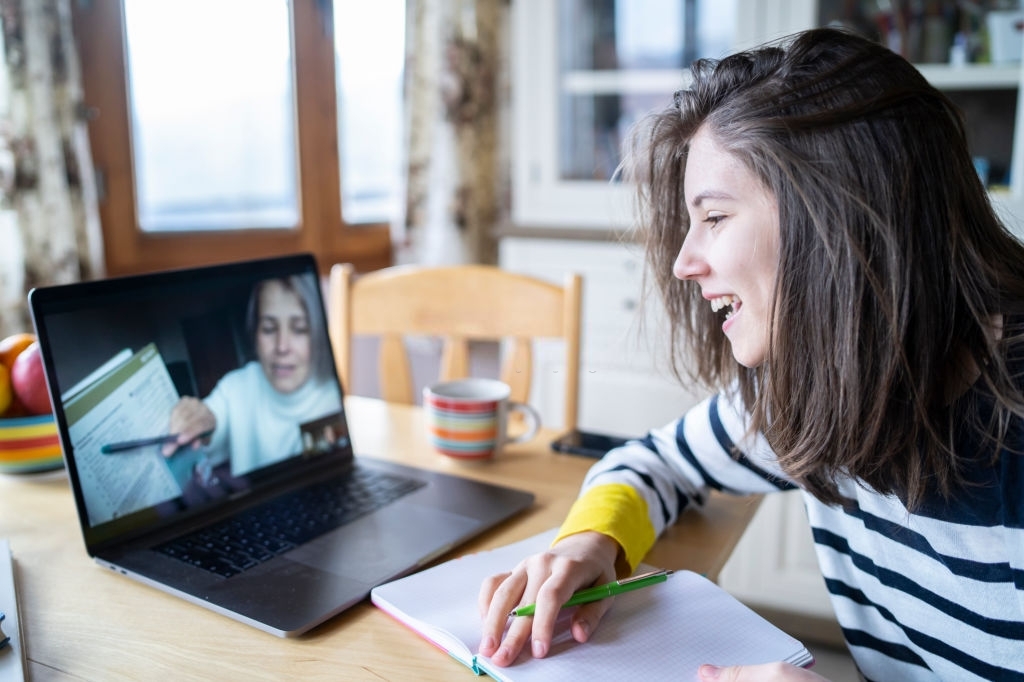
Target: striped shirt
column 937, row 594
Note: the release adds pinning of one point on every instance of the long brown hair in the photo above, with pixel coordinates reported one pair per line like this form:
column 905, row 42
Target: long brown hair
column 892, row 262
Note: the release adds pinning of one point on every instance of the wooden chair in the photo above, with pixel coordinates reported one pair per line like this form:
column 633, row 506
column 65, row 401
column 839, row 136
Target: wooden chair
column 459, row 304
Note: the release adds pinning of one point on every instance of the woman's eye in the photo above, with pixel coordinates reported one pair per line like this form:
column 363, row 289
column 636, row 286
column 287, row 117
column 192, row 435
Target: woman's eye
column 714, row 220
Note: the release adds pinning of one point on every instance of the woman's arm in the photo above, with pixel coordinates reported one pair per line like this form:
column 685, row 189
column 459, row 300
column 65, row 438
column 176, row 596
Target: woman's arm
column 628, row 498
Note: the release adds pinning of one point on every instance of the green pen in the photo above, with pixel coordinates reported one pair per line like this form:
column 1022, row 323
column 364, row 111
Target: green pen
column 603, row 591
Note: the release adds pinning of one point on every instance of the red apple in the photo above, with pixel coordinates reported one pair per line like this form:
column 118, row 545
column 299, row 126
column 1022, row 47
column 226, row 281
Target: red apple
column 29, row 381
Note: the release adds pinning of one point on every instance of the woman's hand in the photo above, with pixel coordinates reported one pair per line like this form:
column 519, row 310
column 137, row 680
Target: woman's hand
column 548, row 580
column 780, row 672
column 190, row 418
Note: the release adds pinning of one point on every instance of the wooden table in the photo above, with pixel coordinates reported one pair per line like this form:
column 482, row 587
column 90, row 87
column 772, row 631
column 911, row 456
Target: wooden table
column 84, row 622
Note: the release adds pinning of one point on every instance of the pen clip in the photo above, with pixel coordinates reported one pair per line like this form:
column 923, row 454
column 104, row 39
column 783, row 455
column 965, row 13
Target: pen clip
column 644, row 576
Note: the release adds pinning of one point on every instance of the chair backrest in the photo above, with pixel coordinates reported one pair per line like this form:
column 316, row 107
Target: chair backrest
column 458, row 304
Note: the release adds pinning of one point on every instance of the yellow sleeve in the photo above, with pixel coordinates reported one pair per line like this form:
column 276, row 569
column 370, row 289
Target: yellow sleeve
column 618, row 511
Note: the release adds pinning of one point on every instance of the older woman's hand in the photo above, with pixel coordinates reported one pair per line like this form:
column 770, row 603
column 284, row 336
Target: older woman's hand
column 190, row 418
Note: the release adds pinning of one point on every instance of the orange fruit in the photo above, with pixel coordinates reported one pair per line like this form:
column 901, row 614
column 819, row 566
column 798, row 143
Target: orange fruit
column 12, row 345
column 6, row 392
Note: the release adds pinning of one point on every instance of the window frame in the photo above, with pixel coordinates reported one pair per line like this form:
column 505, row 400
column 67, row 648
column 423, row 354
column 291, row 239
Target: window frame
column 322, row 229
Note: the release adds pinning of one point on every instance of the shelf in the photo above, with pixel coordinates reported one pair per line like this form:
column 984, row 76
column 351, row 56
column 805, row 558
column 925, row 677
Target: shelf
column 942, row 76
column 623, row 82
column 972, row 76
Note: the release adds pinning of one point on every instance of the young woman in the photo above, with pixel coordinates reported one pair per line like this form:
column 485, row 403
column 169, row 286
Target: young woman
column 832, row 267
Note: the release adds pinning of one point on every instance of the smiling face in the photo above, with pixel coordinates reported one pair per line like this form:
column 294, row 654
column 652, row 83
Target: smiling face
column 282, row 337
column 732, row 248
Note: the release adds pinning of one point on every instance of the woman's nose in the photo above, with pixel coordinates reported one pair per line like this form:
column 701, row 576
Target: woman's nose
column 690, row 262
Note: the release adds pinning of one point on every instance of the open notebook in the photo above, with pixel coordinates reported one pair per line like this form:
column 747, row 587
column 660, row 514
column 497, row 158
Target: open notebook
column 667, row 630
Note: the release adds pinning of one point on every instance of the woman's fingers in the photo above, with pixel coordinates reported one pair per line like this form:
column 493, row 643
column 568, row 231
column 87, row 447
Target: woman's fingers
column 516, row 639
column 189, row 419
column 508, row 592
column 547, row 580
column 586, row 618
column 487, row 589
column 519, row 587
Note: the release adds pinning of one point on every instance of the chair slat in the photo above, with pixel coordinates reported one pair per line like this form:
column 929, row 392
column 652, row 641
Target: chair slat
column 517, row 371
column 455, row 359
column 395, row 371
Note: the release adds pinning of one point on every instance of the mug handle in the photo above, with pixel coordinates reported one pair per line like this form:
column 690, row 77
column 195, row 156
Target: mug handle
column 532, row 421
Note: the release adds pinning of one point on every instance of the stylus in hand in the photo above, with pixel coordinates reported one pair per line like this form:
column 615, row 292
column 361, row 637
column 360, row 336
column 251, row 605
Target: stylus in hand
column 112, row 448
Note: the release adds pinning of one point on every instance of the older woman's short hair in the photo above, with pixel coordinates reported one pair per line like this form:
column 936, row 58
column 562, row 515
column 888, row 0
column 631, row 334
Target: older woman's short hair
column 307, row 289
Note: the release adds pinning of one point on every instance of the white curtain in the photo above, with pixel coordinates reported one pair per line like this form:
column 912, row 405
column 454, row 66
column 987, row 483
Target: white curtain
column 49, row 221
column 457, row 174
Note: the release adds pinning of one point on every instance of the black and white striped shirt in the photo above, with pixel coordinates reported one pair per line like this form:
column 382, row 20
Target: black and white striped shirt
column 937, row 594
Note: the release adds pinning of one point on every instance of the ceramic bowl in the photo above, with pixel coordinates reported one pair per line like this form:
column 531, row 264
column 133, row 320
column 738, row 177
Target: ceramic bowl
column 29, row 445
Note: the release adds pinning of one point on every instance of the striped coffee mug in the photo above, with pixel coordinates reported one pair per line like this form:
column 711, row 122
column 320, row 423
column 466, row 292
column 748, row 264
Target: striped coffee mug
column 468, row 418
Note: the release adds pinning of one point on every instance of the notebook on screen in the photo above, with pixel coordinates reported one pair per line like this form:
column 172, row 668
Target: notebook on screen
column 208, row 449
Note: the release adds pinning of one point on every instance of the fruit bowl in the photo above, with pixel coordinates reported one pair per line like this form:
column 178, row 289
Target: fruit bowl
column 29, row 445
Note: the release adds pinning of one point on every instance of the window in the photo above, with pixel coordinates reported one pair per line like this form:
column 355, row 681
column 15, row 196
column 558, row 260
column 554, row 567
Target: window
column 239, row 129
column 585, row 72
column 370, row 39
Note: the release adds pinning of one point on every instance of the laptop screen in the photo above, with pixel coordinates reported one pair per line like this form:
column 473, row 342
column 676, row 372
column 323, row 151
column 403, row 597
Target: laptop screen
column 179, row 391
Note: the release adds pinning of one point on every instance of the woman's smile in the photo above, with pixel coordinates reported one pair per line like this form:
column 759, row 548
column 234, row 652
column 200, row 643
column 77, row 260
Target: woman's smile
column 731, row 248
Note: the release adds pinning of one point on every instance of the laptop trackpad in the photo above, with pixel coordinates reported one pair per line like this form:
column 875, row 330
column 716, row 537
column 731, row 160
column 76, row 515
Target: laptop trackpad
column 389, row 541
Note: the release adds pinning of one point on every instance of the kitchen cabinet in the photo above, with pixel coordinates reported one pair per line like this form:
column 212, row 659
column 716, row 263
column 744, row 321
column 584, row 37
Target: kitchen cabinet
column 586, row 70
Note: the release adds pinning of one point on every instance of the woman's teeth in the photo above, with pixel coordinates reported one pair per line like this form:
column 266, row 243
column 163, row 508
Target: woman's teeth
column 722, row 302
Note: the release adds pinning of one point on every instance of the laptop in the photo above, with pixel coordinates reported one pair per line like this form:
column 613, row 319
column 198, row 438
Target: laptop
column 262, row 512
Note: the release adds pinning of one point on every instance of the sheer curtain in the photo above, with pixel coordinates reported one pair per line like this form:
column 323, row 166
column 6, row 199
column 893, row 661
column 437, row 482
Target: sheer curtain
column 49, row 221
column 457, row 172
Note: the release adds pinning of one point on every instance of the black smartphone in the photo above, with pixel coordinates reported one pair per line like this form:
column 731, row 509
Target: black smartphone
column 587, row 443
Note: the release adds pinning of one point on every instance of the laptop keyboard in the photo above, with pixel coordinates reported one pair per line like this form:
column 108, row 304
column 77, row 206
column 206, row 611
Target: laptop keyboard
column 261, row 533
